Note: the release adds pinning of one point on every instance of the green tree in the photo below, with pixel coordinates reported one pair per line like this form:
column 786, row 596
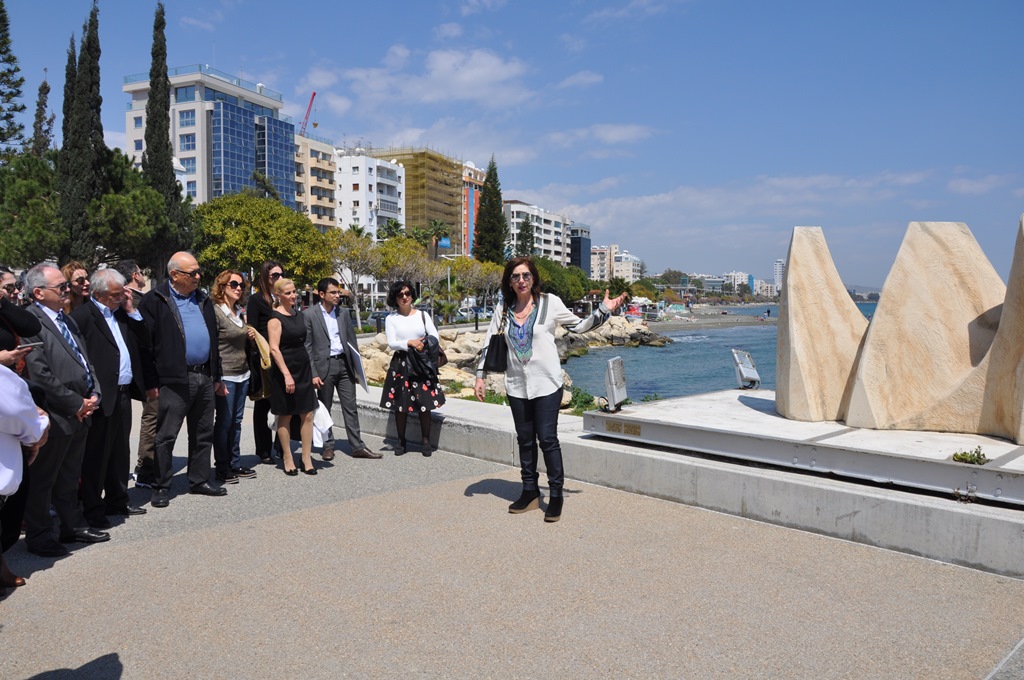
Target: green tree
column 240, row 231
column 524, row 239
column 158, row 158
column 42, row 125
column 392, row 228
column 84, row 155
column 402, row 258
column 11, row 81
column 30, row 230
column 672, row 276
column 357, row 253
column 359, row 231
column 129, row 220
column 491, row 226
column 557, row 280
column 263, row 188
column 70, row 76
column 618, row 285
column 437, row 230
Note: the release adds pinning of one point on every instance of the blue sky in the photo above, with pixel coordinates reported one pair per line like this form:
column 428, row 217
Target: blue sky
column 695, row 134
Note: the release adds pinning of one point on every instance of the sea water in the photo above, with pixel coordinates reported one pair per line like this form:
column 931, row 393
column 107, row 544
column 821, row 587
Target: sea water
column 695, row 362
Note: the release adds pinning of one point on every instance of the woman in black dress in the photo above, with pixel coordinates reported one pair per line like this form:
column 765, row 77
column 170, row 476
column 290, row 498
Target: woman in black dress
column 291, row 376
column 257, row 315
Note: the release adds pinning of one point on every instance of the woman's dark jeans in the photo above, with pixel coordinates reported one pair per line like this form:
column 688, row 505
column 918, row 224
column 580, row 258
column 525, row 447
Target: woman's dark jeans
column 227, row 429
column 537, row 420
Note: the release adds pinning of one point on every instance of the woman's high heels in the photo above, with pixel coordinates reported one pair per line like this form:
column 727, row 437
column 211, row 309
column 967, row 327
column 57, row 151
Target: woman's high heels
column 310, row 470
column 291, row 473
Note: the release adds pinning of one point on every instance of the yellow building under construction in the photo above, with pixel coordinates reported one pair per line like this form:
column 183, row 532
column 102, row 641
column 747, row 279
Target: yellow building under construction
column 433, row 188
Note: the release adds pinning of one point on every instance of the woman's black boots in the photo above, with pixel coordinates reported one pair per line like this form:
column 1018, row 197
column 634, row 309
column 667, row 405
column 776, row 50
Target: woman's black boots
column 529, row 500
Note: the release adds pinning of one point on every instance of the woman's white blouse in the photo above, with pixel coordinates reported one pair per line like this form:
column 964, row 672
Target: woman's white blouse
column 542, row 374
column 20, row 423
column 401, row 329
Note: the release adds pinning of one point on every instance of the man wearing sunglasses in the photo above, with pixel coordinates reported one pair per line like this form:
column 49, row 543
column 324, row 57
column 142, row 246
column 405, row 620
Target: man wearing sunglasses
column 186, row 362
column 62, row 368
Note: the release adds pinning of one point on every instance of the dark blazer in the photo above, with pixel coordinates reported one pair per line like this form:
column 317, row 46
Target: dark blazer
column 318, row 342
column 167, row 336
column 56, row 368
column 106, row 357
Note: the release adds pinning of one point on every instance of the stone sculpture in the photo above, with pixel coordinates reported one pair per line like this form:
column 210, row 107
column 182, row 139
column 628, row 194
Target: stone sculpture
column 944, row 350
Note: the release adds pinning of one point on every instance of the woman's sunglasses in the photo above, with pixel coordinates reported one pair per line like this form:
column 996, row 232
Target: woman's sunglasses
column 234, row 284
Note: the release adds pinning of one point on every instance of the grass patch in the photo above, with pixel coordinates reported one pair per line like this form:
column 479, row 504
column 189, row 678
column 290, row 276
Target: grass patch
column 653, row 396
column 975, row 457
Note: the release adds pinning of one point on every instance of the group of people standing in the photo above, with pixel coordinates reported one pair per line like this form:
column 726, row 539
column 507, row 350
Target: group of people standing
column 81, row 347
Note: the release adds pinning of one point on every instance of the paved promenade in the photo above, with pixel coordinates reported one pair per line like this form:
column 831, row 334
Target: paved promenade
column 411, row 567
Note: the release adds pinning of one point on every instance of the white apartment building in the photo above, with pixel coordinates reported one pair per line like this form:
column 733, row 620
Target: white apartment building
column 762, row 287
column 627, row 266
column 550, row 230
column 602, row 261
column 370, row 190
column 736, row 278
column 780, row 273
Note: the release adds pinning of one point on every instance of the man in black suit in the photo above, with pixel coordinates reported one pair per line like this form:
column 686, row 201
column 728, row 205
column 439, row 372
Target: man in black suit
column 113, row 332
column 330, row 338
column 61, row 366
column 186, row 362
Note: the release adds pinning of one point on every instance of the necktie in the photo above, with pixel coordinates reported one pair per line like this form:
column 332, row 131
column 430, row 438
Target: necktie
column 74, row 345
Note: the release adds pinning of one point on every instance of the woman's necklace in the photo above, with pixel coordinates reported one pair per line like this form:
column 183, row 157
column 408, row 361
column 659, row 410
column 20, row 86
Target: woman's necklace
column 520, row 316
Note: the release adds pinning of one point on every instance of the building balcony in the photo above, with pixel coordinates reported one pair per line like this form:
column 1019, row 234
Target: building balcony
column 257, row 88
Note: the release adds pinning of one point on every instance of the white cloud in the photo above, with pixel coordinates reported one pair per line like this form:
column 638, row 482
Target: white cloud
column 603, row 133
column 581, row 79
column 317, row 78
column 337, row 103
column 977, row 187
column 115, row 139
column 631, row 10
column 474, row 6
column 572, row 43
column 467, row 140
column 478, row 76
column 447, row 31
column 193, row 22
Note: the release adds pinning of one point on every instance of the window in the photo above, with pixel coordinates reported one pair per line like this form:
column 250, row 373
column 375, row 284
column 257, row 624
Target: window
column 355, row 204
column 370, row 170
column 355, row 187
column 190, row 165
column 185, row 94
column 190, row 188
column 186, row 118
column 138, row 122
column 187, row 142
column 355, row 170
column 138, row 145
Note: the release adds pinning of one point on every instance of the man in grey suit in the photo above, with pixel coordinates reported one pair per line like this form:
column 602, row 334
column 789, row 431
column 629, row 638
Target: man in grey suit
column 62, row 368
column 329, row 339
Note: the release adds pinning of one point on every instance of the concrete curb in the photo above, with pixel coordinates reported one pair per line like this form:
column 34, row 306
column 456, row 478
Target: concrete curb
column 987, row 538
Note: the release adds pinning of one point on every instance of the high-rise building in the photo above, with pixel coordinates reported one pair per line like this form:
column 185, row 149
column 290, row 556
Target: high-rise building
column 315, row 187
column 602, row 259
column 370, row 190
column 472, row 184
column 579, row 247
column 780, row 273
column 627, row 266
column 550, row 230
column 433, row 188
column 223, row 129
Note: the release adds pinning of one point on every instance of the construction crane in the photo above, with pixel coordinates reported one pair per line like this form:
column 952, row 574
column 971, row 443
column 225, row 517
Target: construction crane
column 302, row 130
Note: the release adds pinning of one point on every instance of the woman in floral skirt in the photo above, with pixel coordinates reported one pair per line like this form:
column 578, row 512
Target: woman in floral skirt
column 406, row 392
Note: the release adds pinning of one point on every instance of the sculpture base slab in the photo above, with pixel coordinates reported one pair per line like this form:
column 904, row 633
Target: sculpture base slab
column 743, row 424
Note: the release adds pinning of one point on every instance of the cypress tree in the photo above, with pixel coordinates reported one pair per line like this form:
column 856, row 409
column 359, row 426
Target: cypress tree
column 70, row 76
column 11, row 131
column 158, row 158
column 42, row 126
column 524, row 238
column 84, row 155
column 491, row 227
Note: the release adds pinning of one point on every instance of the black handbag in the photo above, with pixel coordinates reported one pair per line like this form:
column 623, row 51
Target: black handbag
column 496, row 359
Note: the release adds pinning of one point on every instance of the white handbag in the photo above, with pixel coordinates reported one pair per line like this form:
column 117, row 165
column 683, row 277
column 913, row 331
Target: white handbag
column 322, row 424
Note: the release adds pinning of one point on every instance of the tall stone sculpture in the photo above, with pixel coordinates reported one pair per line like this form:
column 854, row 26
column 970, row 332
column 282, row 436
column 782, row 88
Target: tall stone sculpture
column 820, row 331
column 944, row 351
column 933, row 327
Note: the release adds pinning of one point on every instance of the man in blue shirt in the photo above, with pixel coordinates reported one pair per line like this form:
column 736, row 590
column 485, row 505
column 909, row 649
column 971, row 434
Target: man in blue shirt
column 183, row 331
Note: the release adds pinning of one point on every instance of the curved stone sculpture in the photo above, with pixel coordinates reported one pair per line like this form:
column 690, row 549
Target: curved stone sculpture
column 820, row 332
column 925, row 358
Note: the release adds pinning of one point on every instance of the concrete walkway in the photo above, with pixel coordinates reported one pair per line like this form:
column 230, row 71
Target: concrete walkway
column 411, row 567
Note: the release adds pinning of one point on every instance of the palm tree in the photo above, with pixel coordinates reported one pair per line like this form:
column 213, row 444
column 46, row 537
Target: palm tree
column 437, row 230
column 359, row 231
column 391, row 229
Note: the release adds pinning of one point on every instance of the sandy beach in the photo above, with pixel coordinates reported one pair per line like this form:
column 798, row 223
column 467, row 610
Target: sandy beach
column 710, row 318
